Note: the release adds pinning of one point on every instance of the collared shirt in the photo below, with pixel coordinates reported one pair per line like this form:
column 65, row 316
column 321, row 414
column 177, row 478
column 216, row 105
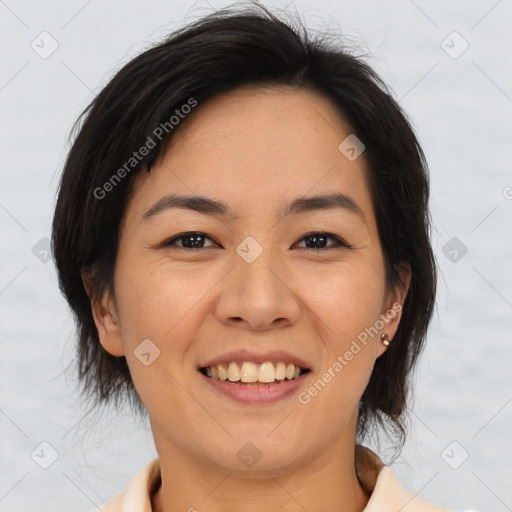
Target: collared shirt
column 377, row 479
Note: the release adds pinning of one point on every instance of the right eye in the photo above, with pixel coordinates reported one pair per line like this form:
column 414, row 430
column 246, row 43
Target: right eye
column 191, row 240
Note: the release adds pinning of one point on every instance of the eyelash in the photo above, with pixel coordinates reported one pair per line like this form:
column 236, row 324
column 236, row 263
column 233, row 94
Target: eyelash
column 339, row 242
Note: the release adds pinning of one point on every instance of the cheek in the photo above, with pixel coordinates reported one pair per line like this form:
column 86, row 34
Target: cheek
column 158, row 317
column 161, row 302
column 347, row 304
column 347, row 299
column 157, row 298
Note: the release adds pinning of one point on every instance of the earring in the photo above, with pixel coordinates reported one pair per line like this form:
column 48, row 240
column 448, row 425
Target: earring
column 385, row 340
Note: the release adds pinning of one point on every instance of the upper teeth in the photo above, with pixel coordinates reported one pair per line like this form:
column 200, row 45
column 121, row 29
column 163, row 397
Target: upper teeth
column 251, row 372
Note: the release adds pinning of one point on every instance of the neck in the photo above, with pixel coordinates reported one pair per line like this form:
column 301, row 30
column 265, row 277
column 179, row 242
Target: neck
column 327, row 483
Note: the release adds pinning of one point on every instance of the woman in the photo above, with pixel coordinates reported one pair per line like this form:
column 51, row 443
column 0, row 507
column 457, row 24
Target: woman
column 242, row 232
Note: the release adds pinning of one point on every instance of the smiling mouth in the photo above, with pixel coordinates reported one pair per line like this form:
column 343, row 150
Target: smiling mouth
column 251, row 374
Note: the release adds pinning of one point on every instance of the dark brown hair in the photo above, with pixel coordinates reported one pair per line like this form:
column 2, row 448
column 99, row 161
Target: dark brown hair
column 215, row 55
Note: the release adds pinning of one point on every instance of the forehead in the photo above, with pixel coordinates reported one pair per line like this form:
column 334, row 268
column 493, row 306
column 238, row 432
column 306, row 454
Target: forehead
column 256, row 148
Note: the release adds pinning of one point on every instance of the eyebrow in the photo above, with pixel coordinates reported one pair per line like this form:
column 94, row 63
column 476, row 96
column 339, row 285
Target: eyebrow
column 209, row 206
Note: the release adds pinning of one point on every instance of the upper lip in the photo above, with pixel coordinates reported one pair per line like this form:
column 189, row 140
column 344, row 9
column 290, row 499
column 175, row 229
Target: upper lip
column 256, row 358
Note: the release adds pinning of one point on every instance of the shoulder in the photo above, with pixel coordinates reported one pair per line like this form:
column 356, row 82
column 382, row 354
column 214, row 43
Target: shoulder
column 386, row 492
column 136, row 496
column 390, row 495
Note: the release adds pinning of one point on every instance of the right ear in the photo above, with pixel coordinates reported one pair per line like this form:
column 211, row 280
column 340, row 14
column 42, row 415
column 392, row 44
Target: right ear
column 105, row 317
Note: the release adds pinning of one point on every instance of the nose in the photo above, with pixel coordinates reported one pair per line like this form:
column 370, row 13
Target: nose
column 258, row 295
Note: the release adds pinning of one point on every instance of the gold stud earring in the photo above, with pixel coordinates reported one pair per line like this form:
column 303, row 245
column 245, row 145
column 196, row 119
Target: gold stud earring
column 385, row 340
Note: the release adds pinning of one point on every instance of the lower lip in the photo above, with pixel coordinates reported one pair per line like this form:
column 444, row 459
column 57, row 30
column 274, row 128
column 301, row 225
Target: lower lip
column 256, row 394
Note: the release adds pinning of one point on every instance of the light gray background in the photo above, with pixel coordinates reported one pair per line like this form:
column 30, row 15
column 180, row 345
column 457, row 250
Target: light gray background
column 461, row 108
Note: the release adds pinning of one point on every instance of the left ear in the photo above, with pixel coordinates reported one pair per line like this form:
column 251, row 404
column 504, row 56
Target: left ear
column 393, row 305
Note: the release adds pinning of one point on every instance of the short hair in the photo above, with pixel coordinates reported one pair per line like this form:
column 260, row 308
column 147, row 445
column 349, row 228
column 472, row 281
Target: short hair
column 216, row 54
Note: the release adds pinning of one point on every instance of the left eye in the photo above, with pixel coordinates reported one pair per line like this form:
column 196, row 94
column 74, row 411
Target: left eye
column 315, row 240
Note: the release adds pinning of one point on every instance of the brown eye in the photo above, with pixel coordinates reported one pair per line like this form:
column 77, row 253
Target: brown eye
column 192, row 240
column 318, row 240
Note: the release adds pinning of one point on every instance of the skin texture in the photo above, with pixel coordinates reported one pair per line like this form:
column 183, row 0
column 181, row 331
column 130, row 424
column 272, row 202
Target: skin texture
column 255, row 149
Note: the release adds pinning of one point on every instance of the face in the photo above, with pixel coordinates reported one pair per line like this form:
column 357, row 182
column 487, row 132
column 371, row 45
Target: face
column 251, row 281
